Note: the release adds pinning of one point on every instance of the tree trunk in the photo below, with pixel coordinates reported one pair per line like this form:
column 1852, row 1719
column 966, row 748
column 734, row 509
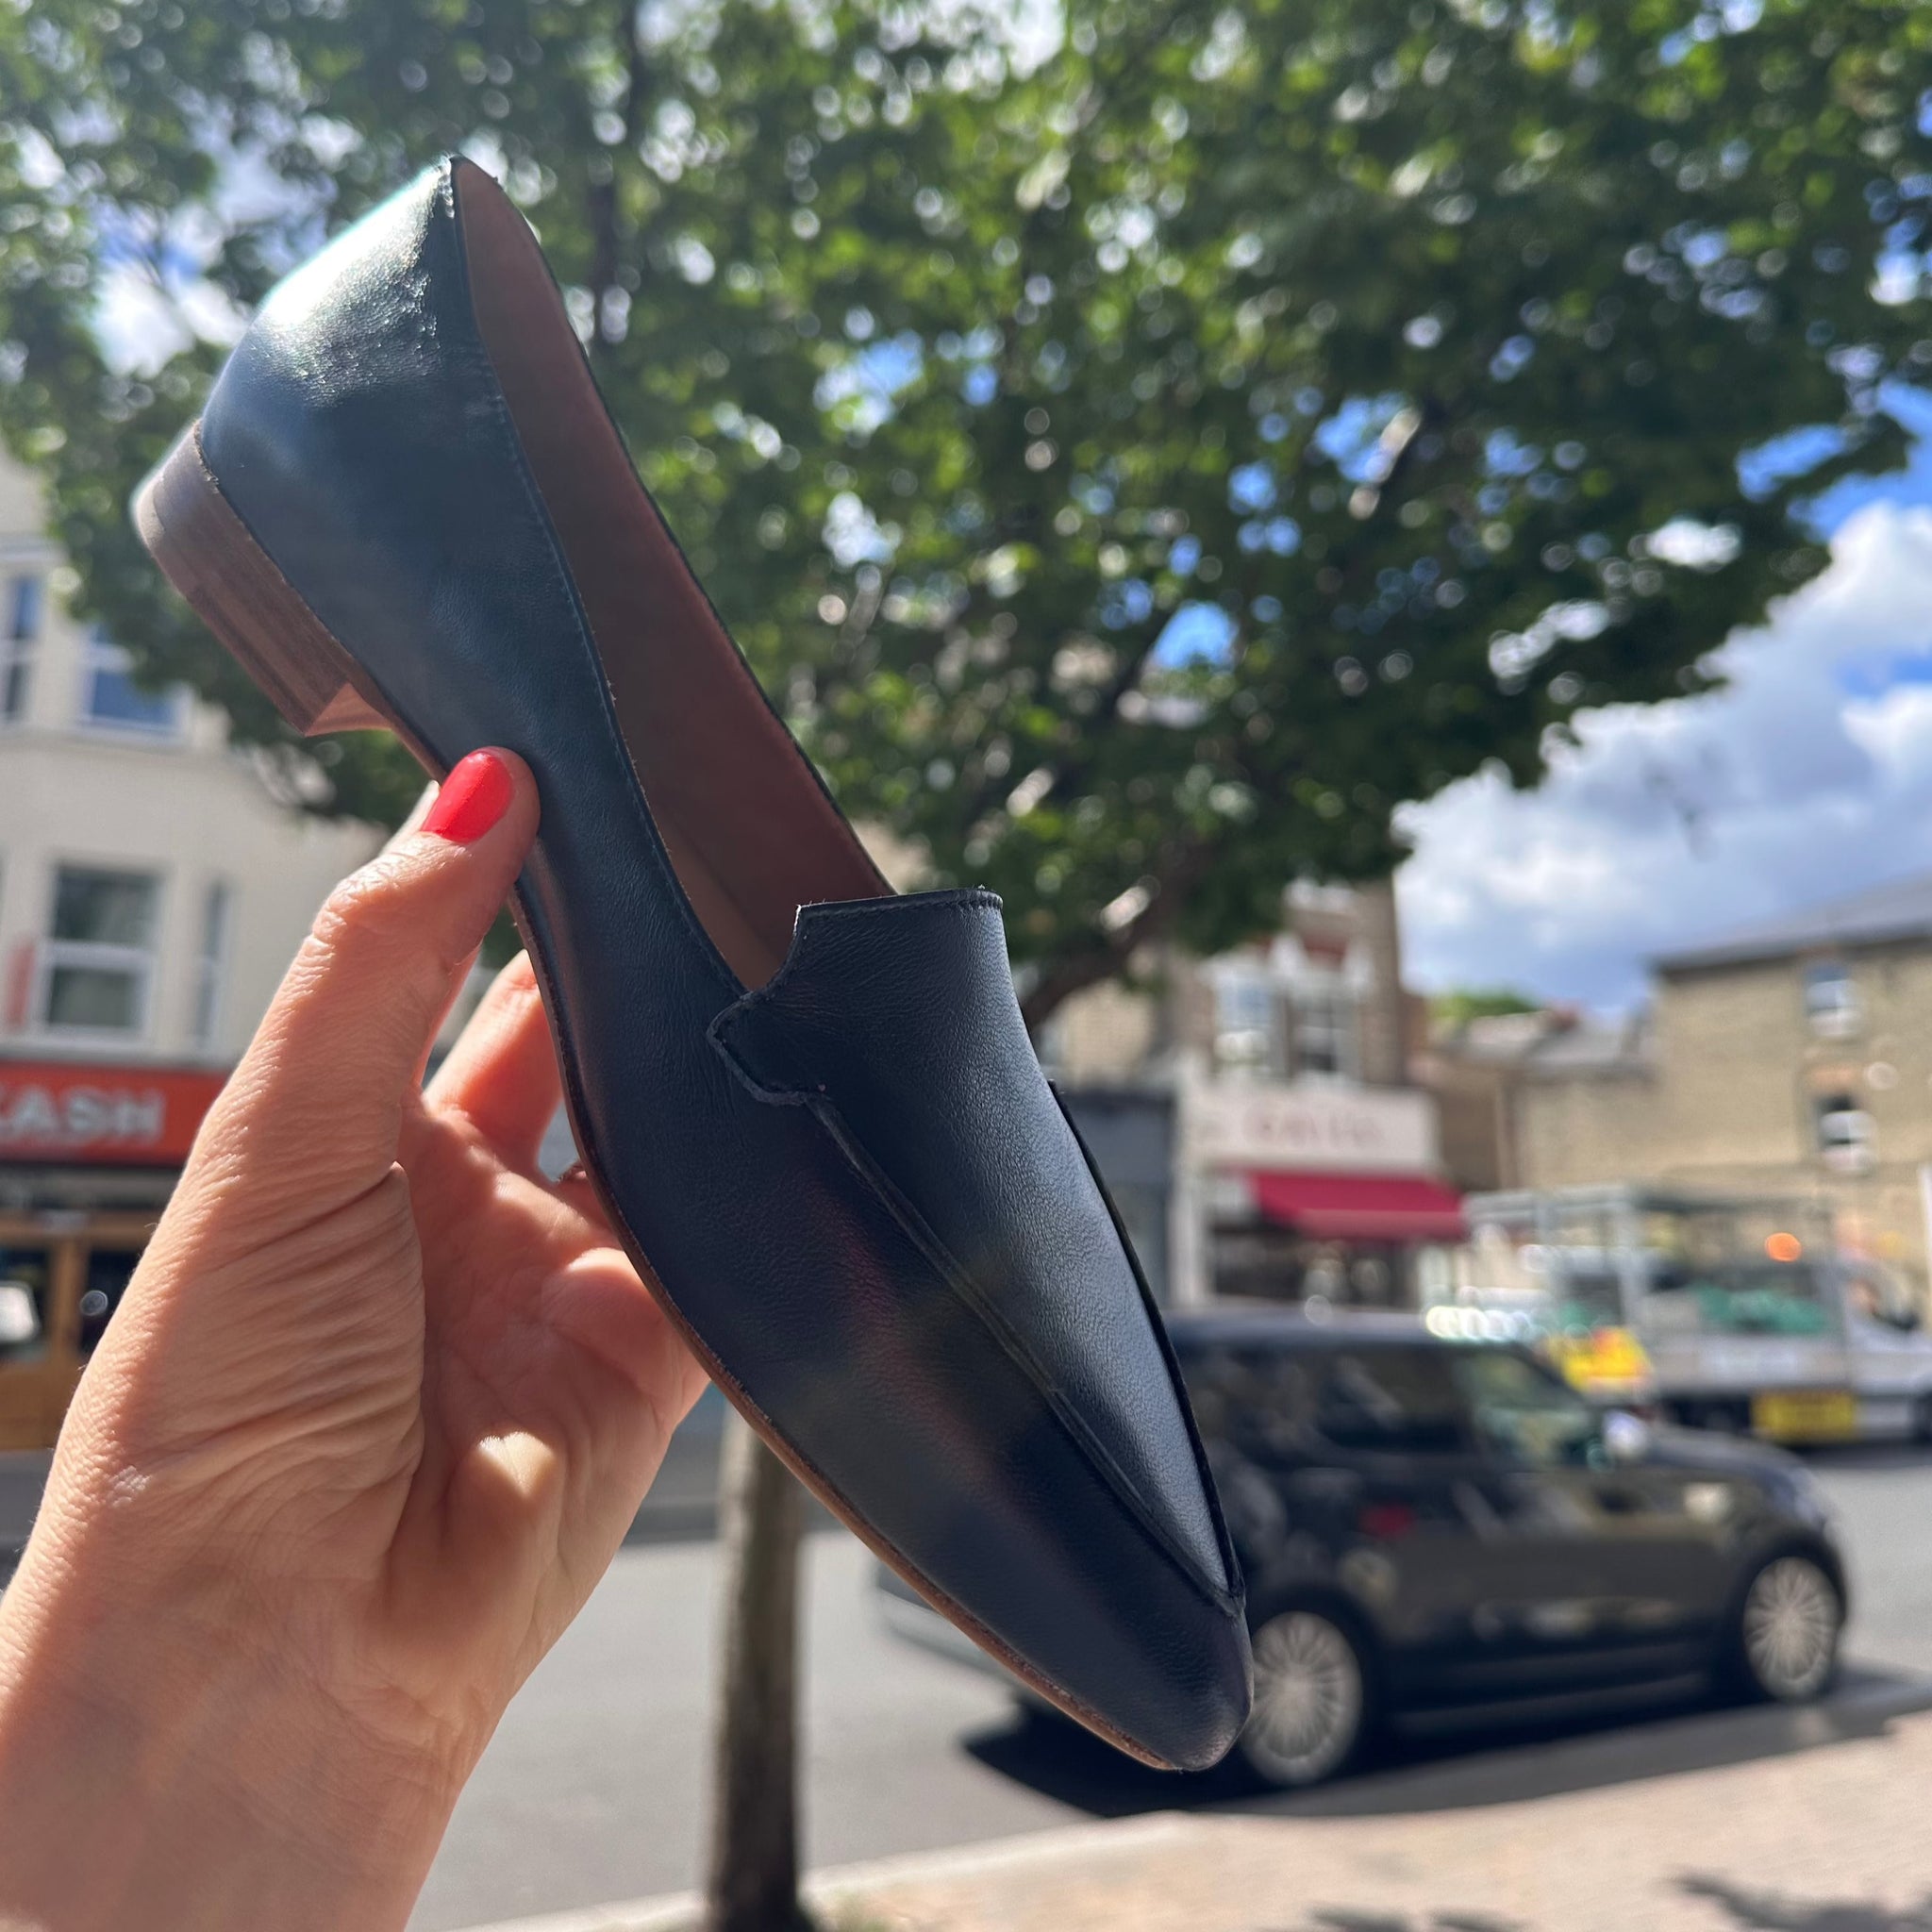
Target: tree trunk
column 752, row 1885
column 1059, row 981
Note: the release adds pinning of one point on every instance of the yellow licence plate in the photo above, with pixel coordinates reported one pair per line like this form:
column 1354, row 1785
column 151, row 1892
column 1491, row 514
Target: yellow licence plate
column 1806, row 1415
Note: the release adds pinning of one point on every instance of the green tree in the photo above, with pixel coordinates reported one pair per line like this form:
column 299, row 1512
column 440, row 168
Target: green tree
column 1378, row 340
column 1137, row 469
column 1449, row 1012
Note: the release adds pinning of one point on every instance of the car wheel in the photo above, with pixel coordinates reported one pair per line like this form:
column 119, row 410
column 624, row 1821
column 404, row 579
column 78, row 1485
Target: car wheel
column 1787, row 1630
column 1311, row 1699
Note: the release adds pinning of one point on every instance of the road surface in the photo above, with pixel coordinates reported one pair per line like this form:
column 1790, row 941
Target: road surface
column 594, row 1787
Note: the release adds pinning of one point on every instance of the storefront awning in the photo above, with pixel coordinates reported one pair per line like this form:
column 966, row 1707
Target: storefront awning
column 1361, row 1206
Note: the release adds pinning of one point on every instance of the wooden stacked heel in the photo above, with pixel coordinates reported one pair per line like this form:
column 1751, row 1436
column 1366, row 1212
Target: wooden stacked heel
column 207, row 553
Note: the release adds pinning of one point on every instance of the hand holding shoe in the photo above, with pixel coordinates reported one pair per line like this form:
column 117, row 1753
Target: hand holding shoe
column 373, row 1417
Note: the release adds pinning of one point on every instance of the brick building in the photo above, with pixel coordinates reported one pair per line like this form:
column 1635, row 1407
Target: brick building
column 1791, row 1057
column 1477, row 1074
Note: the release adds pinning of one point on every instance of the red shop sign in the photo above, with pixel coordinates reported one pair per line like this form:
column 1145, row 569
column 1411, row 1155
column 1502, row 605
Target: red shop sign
column 85, row 1112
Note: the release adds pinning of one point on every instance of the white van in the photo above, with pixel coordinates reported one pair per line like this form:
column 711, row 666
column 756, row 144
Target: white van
column 1751, row 1316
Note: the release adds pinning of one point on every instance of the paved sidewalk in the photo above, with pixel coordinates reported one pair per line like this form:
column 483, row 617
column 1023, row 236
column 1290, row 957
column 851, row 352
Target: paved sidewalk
column 1825, row 1827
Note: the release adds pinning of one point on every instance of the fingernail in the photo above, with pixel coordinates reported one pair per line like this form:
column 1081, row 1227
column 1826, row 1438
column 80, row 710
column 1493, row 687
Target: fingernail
column 474, row 795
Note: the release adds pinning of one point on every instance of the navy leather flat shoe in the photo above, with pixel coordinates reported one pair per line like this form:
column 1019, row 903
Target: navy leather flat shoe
column 810, row 1106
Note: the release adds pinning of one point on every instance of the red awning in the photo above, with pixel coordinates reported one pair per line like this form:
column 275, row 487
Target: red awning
column 1361, row 1206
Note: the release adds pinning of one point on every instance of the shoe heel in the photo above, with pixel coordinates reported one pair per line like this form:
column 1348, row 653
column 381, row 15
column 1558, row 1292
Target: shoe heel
column 205, row 551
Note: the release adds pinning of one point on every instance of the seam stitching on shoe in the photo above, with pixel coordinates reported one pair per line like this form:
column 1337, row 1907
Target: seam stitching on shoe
column 816, row 912
column 1230, row 1557
column 938, row 1257
column 728, row 1027
column 471, row 347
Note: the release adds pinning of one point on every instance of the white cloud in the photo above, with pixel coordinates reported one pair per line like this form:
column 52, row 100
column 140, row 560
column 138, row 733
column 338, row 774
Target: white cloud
column 141, row 327
column 1808, row 775
column 154, row 299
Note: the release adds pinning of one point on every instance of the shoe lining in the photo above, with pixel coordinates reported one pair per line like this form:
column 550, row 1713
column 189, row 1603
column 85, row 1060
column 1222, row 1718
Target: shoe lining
column 750, row 831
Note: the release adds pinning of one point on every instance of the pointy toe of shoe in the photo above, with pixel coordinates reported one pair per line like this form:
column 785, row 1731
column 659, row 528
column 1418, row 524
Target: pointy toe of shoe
column 810, row 1106
column 1075, row 1526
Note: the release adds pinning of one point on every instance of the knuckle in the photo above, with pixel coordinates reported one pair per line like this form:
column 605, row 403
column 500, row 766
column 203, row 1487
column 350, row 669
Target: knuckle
column 370, row 903
column 362, row 1236
column 384, row 919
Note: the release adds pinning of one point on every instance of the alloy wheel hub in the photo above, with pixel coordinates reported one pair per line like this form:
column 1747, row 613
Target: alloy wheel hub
column 1790, row 1627
column 1307, row 1698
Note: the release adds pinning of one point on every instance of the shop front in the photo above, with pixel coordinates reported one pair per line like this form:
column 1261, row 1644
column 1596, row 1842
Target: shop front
column 1304, row 1193
column 89, row 1154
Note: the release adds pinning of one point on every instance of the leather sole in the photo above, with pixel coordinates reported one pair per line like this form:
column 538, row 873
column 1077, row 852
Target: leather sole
column 209, row 556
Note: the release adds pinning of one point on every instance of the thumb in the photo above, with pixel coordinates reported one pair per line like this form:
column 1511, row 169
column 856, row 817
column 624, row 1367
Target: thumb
column 321, row 1090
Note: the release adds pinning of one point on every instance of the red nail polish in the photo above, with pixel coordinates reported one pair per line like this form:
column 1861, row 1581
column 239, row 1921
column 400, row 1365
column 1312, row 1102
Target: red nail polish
column 474, row 795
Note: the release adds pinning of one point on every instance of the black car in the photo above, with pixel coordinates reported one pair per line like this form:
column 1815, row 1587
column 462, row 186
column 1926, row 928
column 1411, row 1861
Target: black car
column 1432, row 1529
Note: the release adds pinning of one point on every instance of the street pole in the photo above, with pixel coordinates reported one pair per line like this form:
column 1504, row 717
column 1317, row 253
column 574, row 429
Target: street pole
column 751, row 1881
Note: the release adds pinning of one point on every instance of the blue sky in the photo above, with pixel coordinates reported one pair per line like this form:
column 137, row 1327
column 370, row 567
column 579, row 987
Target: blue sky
column 1807, row 776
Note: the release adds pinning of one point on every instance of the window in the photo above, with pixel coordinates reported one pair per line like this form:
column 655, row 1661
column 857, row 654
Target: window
column 1324, row 1030
column 25, row 1275
column 99, row 960
column 26, row 596
column 1871, row 1294
column 1243, row 1017
column 1740, row 1298
column 108, row 1271
column 1522, row 1412
column 1831, row 999
column 211, row 963
column 1396, row 1400
column 110, row 697
column 1846, row 1141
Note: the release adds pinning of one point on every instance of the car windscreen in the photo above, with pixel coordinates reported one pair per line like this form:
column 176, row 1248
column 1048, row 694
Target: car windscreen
column 1275, row 1401
column 1583, row 1298
column 1520, row 1412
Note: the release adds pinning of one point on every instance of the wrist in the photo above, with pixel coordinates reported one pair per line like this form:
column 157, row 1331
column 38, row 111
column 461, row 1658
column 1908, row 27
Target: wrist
column 156, row 1769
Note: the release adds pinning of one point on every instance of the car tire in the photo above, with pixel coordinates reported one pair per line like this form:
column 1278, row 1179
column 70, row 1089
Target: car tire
column 1315, row 1702
column 1784, row 1630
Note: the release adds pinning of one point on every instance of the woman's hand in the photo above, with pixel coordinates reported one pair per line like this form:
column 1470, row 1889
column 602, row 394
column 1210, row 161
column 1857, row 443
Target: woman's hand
column 373, row 1417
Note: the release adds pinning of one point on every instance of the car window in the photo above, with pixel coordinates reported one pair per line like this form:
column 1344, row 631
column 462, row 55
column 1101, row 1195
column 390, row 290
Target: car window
column 1259, row 1399
column 1519, row 1411
column 1872, row 1295
column 1396, row 1400
column 1585, row 1298
column 1739, row 1298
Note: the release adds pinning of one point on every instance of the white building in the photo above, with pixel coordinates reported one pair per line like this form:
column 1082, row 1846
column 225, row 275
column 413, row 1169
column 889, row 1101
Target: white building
column 152, row 890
